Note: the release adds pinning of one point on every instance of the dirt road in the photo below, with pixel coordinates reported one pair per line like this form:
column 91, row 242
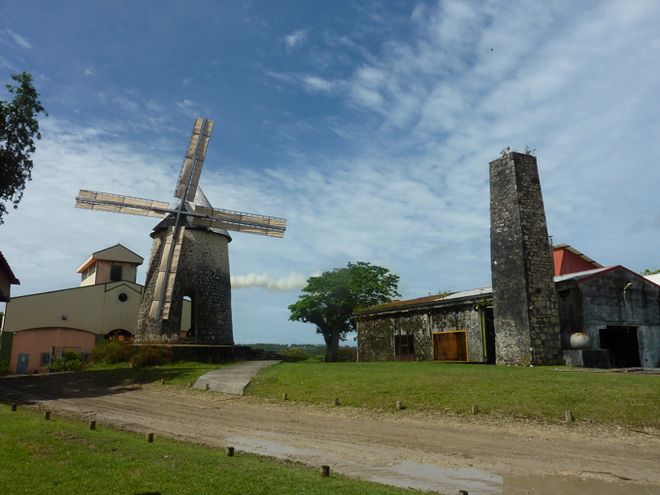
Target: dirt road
column 433, row 453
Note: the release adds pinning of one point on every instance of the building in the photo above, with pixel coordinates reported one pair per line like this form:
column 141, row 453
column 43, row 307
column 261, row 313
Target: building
column 7, row 279
column 105, row 306
column 617, row 308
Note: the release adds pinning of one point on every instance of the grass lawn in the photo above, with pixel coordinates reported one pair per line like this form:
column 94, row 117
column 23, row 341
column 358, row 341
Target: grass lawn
column 539, row 392
column 180, row 373
column 63, row 457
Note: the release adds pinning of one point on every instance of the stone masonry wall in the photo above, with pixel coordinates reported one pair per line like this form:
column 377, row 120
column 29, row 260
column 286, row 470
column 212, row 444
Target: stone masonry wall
column 525, row 302
column 376, row 333
column 202, row 275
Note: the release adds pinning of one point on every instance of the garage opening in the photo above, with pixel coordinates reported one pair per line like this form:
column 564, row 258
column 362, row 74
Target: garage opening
column 450, row 346
column 623, row 344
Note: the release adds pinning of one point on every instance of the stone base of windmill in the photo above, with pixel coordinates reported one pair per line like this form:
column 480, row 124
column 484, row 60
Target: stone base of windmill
column 203, row 276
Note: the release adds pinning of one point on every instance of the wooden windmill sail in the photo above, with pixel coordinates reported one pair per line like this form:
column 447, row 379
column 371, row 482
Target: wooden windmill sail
column 192, row 208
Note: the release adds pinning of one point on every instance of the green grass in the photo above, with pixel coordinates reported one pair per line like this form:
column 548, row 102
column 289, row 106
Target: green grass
column 63, row 457
column 179, row 374
column 539, row 392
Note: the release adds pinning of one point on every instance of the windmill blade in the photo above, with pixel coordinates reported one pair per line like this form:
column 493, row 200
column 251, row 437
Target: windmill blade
column 117, row 203
column 239, row 221
column 169, row 262
column 194, row 159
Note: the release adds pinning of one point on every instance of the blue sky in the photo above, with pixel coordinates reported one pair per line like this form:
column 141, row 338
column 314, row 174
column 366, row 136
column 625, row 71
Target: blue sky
column 369, row 125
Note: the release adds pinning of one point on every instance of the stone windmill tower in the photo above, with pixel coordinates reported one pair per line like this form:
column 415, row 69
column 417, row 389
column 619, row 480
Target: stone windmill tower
column 189, row 255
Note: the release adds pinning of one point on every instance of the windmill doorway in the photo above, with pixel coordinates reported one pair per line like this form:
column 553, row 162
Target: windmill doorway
column 623, row 344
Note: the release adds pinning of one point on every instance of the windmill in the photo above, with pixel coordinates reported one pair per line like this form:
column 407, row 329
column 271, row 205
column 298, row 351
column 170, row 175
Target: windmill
column 189, row 256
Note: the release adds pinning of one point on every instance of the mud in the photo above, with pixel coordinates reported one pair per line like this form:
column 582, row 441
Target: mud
column 429, row 452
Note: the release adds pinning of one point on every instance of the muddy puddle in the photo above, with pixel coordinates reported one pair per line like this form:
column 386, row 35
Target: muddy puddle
column 449, row 481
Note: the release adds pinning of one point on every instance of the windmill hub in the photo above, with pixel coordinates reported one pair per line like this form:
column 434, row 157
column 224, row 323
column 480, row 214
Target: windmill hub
column 189, row 255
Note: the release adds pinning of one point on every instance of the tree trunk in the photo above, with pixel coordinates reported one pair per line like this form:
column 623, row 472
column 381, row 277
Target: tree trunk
column 331, row 346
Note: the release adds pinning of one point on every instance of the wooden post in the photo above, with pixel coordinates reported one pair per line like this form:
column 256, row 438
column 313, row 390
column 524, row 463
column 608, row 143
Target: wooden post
column 14, row 407
column 92, row 424
column 462, row 492
column 475, row 409
column 335, row 402
column 162, row 381
column 47, row 415
column 285, row 396
column 230, row 451
column 206, row 387
column 568, row 415
column 325, row 471
column 190, row 384
column 399, row 405
column 150, row 438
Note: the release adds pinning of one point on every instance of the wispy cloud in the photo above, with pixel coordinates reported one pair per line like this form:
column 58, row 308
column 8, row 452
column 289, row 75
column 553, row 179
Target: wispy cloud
column 89, row 72
column 295, row 39
column 16, row 39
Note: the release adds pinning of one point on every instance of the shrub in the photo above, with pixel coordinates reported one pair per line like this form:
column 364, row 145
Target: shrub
column 345, row 353
column 111, row 352
column 151, row 356
column 69, row 361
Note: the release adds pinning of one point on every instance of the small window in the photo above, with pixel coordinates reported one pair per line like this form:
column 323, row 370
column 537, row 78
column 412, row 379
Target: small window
column 122, row 297
column 115, row 273
column 45, row 359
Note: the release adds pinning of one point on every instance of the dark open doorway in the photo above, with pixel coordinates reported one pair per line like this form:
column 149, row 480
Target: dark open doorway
column 623, row 345
column 489, row 335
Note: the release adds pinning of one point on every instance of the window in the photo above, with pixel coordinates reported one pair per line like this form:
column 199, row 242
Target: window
column 115, row 273
column 45, row 359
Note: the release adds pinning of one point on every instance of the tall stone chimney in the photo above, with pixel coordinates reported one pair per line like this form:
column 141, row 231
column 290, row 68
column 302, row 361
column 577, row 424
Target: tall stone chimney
column 524, row 297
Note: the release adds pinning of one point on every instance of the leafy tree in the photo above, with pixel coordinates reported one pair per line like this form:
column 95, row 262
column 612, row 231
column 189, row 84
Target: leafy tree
column 18, row 129
column 650, row 272
column 328, row 301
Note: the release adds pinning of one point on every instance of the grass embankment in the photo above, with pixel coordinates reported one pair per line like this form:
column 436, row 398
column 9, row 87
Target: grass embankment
column 180, row 373
column 63, row 457
column 540, row 392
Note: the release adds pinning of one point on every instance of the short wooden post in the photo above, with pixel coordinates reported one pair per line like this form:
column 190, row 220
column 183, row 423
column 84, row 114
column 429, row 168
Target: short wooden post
column 399, row 405
column 475, row 409
column 92, row 424
column 150, row 438
column 335, row 402
column 285, row 396
column 14, row 407
column 325, row 471
column 190, row 384
column 230, row 451
column 47, row 415
column 462, row 492
column 206, row 387
column 568, row 416
column 162, row 381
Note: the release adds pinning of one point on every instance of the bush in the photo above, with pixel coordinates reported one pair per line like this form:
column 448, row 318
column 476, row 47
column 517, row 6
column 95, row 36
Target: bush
column 111, row 352
column 4, row 367
column 151, row 356
column 345, row 353
column 70, row 361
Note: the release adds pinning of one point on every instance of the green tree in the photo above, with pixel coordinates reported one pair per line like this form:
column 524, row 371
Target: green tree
column 18, row 129
column 650, row 272
column 328, row 301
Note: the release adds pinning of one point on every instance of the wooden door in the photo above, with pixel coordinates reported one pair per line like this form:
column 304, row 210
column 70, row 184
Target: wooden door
column 450, row 346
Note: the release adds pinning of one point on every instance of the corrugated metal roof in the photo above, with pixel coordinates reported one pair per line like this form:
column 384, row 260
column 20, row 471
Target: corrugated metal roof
column 483, row 292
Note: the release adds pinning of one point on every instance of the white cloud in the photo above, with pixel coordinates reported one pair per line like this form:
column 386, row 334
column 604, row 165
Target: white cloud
column 89, row 72
column 295, row 39
column 291, row 282
column 316, row 83
column 17, row 39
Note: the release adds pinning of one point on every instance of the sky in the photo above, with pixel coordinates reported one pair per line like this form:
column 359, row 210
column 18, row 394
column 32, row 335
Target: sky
column 368, row 125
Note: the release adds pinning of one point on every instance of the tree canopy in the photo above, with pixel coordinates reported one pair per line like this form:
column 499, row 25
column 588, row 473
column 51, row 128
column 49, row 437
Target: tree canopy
column 18, row 129
column 328, row 301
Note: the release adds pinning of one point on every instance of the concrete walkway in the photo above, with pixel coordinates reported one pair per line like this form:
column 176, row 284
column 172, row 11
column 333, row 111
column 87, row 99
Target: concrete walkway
column 232, row 379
